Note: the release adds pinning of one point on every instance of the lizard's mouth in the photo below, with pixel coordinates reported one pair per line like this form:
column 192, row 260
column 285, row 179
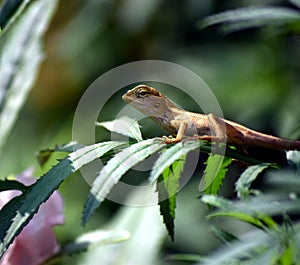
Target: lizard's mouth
column 127, row 98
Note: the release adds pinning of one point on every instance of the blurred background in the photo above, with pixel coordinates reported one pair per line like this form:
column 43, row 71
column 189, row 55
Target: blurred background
column 253, row 73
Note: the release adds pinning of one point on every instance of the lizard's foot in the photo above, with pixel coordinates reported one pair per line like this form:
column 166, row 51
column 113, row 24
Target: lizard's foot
column 171, row 140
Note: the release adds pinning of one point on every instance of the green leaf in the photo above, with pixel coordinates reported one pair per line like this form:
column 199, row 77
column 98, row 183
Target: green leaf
column 252, row 17
column 125, row 126
column 167, row 187
column 242, row 186
column 170, row 155
column 9, row 10
column 186, row 257
column 248, row 211
column 18, row 212
column 251, row 248
column 95, row 239
column 20, row 58
column 115, row 169
column 214, row 173
column 223, row 235
column 11, row 185
column 44, row 155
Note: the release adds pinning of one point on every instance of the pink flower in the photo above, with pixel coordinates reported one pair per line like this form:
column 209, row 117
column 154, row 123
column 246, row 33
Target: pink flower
column 37, row 241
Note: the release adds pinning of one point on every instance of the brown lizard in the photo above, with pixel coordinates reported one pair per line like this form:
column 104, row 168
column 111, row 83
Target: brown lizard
column 183, row 123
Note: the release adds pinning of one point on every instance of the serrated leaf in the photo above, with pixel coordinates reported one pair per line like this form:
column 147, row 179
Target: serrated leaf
column 124, row 126
column 242, row 186
column 252, row 16
column 18, row 212
column 20, row 58
column 170, row 155
column 214, row 173
column 115, row 169
column 43, row 155
column 167, row 187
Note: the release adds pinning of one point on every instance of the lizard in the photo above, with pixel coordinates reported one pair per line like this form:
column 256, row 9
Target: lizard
column 191, row 125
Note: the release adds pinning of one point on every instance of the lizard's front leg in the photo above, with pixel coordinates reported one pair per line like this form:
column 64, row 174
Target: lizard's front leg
column 180, row 132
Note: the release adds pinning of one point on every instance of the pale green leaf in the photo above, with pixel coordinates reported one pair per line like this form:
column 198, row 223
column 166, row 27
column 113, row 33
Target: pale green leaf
column 124, row 126
column 115, row 169
column 146, row 240
column 95, row 239
column 20, row 58
column 170, row 155
column 214, row 173
column 18, row 212
column 243, row 184
column 252, row 17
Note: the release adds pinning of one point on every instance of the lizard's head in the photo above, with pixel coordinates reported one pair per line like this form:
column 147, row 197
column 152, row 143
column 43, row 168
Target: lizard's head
column 146, row 99
column 150, row 102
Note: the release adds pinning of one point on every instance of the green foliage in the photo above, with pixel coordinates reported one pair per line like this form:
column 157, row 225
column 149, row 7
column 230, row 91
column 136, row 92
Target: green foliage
column 256, row 16
column 17, row 213
column 11, row 185
column 94, row 239
column 243, row 184
column 214, row 173
column 43, row 155
column 171, row 155
column 272, row 242
column 20, row 56
column 115, row 169
column 167, row 188
column 123, row 126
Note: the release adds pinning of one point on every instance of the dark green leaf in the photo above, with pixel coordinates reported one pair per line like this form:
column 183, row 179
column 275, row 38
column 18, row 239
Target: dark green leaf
column 8, row 10
column 18, row 212
column 215, row 171
column 167, row 187
column 11, row 185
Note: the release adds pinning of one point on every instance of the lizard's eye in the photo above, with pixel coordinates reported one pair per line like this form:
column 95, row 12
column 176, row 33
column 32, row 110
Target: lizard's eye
column 143, row 93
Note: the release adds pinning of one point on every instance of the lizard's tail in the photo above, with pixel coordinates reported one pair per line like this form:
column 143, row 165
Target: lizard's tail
column 273, row 142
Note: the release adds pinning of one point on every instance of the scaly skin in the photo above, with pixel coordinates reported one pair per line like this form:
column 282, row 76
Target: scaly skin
column 183, row 123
